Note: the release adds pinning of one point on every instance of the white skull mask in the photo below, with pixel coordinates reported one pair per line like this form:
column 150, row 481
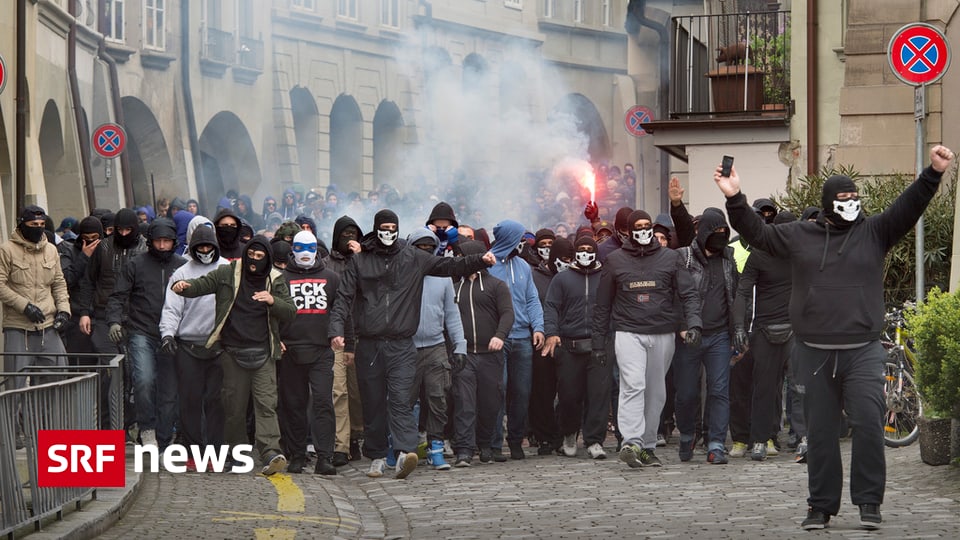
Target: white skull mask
column 848, row 209
column 643, row 236
column 585, row 259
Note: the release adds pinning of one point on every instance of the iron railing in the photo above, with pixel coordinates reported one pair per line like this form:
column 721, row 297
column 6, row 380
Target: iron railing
column 733, row 64
column 218, row 46
column 250, row 53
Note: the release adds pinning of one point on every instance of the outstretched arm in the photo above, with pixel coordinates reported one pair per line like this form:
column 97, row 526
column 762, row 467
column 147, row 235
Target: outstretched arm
column 903, row 214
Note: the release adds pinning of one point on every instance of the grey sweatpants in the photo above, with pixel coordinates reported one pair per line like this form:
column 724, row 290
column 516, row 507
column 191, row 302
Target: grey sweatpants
column 32, row 349
column 643, row 360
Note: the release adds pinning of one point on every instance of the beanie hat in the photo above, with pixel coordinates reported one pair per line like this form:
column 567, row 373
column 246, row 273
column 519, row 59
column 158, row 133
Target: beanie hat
column 585, row 241
column 107, row 220
column 88, row 225
column 635, row 216
column 280, row 250
column 622, row 220
column 127, row 219
column 544, row 233
column 385, row 216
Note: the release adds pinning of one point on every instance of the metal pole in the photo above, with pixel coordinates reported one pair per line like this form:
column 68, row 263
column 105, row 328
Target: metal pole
column 918, row 113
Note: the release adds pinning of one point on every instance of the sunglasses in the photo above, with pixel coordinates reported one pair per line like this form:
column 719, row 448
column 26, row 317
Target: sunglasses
column 297, row 246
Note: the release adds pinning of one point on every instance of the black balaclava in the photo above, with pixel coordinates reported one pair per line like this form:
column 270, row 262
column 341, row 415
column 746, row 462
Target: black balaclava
column 707, row 239
column 839, row 183
column 622, row 223
column 227, row 237
column 162, row 228
column 106, row 221
column 127, row 219
column 261, row 267
column 543, row 253
column 561, row 249
column 632, row 218
column 341, row 242
column 784, row 217
column 579, row 258
column 760, row 204
column 386, row 216
column 31, row 213
column 88, row 225
column 280, row 250
column 810, row 212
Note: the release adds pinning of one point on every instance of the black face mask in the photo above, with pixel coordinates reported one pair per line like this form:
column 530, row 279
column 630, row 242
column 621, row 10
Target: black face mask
column 261, row 267
column 31, row 234
column 716, row 242
column 126, row 241
column 162, row 256
column 343, row 243
column 227, row 236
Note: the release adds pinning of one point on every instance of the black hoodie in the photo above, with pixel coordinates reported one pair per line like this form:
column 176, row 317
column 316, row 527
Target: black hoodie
column 313, row 291
column 837, row 296
column 230, row 246
column 568, row 308
column 715, row 277
column 486, row 307
column 339, row 257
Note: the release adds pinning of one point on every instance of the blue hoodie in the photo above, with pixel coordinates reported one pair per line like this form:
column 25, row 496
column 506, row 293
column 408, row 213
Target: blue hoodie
column 528, row 313
column 438, row 310
column 182, row 220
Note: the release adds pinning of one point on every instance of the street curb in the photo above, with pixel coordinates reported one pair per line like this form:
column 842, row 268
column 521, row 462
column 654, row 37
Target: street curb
column 96, row 516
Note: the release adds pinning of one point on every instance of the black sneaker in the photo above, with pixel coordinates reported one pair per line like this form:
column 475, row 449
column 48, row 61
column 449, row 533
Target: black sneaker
column 355, row 453
column 870, row 516
column 463, row 461
column 816, row 519
column 649, row 459
column 296, row 465
column 516, row 451
column 686, row 450
column 340, row 459
column 546, row 449
column 498, row 455
column 486, row 455
column 324, row 467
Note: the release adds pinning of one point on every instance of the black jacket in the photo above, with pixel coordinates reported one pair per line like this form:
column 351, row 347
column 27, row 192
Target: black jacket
column 837, row 295
column 486, row 310
column 695, row 260
column 337, row 260
column 382, row 287
column 639, row 290
column 568, row 309
column 74, row 263
column 541, row 279
column 103, row 272
column 313, row 291
column 773, row 280
column 140, row 292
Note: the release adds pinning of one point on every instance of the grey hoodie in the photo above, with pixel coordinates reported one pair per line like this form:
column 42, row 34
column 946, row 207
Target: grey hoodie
column 437, row 306
column 191, row 319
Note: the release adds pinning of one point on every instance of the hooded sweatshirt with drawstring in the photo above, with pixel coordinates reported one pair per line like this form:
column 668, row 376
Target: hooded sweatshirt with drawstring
column 486, row 308
column 837, row 296
column 527, row 311
column 191, row 319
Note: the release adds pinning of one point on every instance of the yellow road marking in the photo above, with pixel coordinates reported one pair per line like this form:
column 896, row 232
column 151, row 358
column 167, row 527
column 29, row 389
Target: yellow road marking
column 290, row 496
column 274, row 534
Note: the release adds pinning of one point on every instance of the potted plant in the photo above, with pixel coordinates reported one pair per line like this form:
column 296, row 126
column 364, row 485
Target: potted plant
column 771, row 52
column 935, row 326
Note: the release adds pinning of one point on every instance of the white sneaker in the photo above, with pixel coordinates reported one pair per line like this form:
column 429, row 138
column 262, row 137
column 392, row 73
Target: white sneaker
column 376, row 468
column 148, row 437
column 570, row 445
column 406, row 463
column 661, row 440
column 275, row 465
column 447, row 449
column 595, row 451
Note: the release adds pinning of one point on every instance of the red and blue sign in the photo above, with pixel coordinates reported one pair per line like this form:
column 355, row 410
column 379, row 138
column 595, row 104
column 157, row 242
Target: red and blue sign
column 3, row 74
column 635, row 117
column 109, row 140
column 918, row 54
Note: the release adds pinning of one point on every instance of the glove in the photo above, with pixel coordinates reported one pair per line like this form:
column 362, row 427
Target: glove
column 741, row 341
column 694, row 337
column 592, row 211
column 34, row 313
column 452, row 235
column 116, row 333
column 457, row 362
column 599, row 356
column 168, row 345
column 60, row 320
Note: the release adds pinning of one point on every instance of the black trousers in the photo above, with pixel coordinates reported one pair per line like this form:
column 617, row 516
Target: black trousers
column 386, row 369
column 851, row 381
column 199, row 383
column 583, row 387
column 543, row 394
column 477, row 389
column 769, row 363
column 741, row 395
column 295, row 384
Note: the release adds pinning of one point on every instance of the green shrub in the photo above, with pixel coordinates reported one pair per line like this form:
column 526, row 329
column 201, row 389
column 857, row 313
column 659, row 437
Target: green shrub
column 935, row 325
column 877, row 194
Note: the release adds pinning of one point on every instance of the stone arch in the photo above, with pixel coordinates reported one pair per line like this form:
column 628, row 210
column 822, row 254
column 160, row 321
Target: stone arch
column 475, row 73
column 589, row 123
column 387, row 143
column 229, row 160
column 306, row 127
column 148, row 155
column 346, row 145
column 64, row 195
column 7, row 197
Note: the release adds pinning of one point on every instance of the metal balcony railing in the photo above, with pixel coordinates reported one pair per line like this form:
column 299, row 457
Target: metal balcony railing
column 218, row 46
column 250, row 53
column 730, row 65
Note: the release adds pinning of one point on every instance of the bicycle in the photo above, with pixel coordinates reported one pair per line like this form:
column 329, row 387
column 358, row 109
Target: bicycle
column 903, row 400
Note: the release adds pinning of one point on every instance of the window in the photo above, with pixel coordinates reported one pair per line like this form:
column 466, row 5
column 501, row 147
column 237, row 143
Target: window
column 577, row 10
column 605, row 12
column 115, row 18
column 304, row 4
column 347, row 9
column 549, row 8
column 390, row 13
column 245, row 18
column 154, row 24
column 515, row 4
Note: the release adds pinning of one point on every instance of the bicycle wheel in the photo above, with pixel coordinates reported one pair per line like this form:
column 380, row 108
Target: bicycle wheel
column 904, row 406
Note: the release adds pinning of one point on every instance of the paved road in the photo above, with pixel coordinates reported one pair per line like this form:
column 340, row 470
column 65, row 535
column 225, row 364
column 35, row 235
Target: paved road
column 540, row 497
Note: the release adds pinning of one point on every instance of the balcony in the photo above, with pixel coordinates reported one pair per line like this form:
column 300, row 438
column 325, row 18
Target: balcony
column 249, row 64
column 730, row 66
column 217, row 53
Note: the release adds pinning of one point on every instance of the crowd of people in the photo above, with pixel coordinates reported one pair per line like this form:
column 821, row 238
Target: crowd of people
column 294, row 330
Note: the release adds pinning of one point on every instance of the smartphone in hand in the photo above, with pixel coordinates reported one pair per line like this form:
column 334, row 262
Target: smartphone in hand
column 726, row 165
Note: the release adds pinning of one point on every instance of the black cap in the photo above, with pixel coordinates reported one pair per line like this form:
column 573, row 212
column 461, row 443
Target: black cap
column 32, row 212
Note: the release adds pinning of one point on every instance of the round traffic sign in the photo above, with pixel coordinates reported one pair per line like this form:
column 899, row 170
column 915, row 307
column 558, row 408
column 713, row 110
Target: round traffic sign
column 637, row 115
column 918, row 54
column 109, row 140
column 3, row 74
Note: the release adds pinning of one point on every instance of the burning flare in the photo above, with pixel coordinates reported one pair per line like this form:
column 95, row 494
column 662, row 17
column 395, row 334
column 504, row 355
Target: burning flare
column 589, row 181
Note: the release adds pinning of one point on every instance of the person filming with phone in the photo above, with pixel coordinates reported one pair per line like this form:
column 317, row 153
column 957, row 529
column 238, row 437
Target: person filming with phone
column 837, row 313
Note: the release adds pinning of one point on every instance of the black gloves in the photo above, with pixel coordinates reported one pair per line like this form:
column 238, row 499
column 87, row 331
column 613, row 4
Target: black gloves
column 458, row 361
column 168, row 345
column 741, row 341
column 694, row 337
column 599, row 356
column 34, row 313
column 60, row 320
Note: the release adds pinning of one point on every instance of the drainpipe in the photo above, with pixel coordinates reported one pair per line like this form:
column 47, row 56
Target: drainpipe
column 195, row 158
column 23, row 103
column 118, row 114
column 813, row 152
column 82, row 134
column 663, row 105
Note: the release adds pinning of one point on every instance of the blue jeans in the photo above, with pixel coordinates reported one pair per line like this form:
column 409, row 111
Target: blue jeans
column 154, row 386
column 518, row 354
column 714, row 353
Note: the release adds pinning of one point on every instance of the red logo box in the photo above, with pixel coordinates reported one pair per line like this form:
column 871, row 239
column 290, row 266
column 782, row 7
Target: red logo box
column 81, row 458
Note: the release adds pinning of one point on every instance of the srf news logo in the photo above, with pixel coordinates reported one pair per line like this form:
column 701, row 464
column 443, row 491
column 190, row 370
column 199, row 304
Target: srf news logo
column 93, row 458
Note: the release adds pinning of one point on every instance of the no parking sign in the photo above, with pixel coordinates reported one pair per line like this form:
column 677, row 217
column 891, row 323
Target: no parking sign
column 918, row 54
column 109, row 140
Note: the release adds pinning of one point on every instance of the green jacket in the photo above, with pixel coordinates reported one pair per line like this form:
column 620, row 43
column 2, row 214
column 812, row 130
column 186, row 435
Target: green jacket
column 224, row 281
